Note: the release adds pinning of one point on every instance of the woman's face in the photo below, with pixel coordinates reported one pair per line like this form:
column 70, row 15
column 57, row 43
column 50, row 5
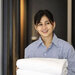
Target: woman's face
column 45, row 28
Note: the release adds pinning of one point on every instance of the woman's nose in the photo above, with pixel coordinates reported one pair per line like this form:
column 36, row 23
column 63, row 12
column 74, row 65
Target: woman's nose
column 44, row 26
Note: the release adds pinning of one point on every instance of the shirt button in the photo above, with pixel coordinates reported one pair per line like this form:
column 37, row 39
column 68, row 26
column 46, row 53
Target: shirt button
column 45, row 54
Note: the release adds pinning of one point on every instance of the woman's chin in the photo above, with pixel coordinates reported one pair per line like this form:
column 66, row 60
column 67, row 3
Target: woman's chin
column 45, row 35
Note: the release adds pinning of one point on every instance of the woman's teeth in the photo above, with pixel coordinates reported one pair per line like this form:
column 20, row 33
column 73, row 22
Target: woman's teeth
column 45, row 31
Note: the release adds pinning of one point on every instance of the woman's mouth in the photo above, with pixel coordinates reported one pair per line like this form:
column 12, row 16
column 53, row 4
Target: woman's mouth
column 44, row 31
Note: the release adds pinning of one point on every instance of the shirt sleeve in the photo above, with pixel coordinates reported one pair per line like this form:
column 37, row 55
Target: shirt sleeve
column 26, row 53
column 71, row 61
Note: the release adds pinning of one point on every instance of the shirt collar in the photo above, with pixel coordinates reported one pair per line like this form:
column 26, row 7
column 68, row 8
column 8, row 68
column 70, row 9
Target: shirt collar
column 40, row 41
column 54, row 41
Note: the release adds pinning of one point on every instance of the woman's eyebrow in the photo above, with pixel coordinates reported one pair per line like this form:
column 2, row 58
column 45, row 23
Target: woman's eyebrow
column 47, row 21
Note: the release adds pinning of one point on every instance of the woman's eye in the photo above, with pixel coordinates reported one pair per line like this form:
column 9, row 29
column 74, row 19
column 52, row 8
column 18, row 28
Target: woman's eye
column 39, row 24
column 47, row 23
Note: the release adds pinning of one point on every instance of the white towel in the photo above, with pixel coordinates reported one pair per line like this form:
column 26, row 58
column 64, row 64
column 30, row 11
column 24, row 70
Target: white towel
column 45, row 65
column 29, row 72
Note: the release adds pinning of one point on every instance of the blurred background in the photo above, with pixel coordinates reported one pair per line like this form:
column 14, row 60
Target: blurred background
column 17, row 31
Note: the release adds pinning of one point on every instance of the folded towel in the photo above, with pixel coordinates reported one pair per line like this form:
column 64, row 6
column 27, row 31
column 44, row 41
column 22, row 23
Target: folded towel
column 32, row 72
column 29, row 72
column 45, row 65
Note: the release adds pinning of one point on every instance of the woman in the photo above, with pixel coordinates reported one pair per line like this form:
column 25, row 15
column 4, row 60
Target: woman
column 49, row 45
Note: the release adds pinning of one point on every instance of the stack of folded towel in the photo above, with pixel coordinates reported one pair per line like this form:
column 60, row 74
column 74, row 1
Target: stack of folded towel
column 42, row 66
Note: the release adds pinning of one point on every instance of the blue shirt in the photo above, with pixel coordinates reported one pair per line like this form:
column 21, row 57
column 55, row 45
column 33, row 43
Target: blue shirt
column 58, row 49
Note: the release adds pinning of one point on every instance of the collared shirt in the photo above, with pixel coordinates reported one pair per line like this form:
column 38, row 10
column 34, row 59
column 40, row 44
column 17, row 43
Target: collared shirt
column 58, row 49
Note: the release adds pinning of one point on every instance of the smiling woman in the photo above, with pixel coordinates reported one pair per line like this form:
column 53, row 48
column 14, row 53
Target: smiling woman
column 45, row 25
column 49, row 45
column 18, row 31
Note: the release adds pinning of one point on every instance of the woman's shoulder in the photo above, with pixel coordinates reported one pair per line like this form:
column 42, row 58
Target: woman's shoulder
column 61, row 42
column 64, row 44
column 32, row 45
column 66, row 48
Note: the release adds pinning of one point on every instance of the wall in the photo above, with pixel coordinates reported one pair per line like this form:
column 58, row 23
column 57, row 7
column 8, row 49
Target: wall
column 73, row 23
column 0, row 37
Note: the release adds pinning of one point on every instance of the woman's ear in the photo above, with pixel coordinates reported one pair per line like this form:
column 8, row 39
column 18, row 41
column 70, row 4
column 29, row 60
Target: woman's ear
column 35, row 27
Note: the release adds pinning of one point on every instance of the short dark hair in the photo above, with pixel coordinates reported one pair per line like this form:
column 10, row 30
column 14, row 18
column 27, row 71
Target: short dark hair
column 41, row 13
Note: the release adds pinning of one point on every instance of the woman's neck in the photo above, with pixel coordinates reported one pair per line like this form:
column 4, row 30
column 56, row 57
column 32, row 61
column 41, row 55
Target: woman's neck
column 47, row 40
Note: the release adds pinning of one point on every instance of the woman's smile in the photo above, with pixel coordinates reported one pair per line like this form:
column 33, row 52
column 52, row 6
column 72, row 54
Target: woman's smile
column 44, row 31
